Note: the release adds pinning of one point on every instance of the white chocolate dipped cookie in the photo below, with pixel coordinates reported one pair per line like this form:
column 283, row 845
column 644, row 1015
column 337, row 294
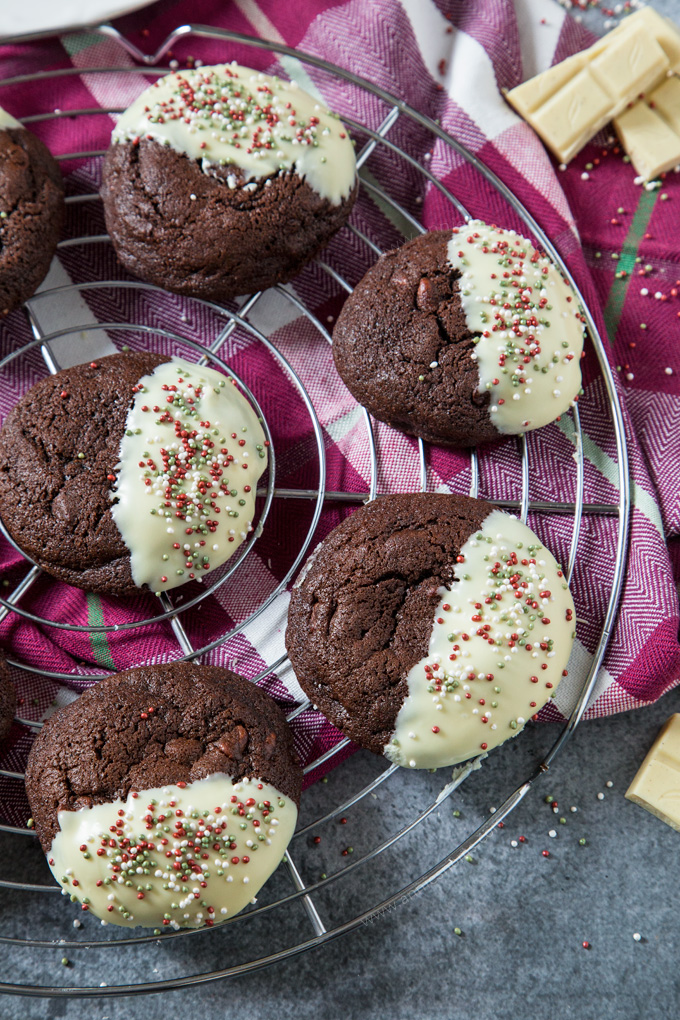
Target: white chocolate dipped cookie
column 165, row 796
column 153, row 465
column 430, row 627
column 228, row 115
column 501, row 637
column 462, row 336
column 221, row 180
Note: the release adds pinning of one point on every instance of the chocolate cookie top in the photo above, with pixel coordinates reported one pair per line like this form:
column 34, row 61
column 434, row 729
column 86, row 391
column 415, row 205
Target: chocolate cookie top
column 59, row 448
column 178, row 761
column 31, row 212
column 8, row 699
column 460, row 336
column 132, row 471
column 429, row 627
column 222, row 180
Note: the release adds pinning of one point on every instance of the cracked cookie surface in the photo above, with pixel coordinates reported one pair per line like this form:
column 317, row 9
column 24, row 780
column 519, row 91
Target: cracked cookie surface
column 403, row 349
column 211, row 235
column 31, row 214
column 361, row 614
column 154, row 726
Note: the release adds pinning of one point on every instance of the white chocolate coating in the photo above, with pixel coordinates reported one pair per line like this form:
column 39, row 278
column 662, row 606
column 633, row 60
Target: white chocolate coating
column 7, row 120
column 174, row 857
column 530, row 325
column 190, row 459
column 232, row 115
column 495, row 656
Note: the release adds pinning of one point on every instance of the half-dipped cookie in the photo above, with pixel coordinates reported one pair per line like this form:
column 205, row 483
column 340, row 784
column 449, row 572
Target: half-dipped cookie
column 31, row 212
column 221, row 180
column 165, row 796
column 462, row 336
column 134, row 471
column 430, row 627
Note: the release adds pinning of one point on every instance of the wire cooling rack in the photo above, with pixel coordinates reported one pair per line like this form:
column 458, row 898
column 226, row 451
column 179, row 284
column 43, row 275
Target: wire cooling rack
column 337, row 902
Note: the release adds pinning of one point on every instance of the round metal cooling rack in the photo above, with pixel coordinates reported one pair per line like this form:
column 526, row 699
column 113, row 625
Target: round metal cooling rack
column 332, row 905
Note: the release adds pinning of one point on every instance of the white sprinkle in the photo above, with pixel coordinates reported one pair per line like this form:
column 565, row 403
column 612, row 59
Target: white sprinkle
column 637, row 936
column 492, row 810
column 609, row 784
column 668, row 371
column 629, row 376
column 552, row 833
column 513, row 842
column 573, row 809
column 644, row 291
column 77, row 923
column 585, row 177
column 600, row 796
column 192, row 197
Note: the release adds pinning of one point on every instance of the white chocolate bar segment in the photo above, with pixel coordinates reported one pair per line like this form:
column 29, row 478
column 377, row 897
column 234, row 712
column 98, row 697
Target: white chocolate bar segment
column 663, row 29
column 569, row 103
column 666, row 101
column 650, row 130
column 565, row 122
column 656, row 786
column 534, row 92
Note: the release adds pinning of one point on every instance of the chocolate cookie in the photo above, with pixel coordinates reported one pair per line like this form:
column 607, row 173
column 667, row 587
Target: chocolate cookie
column 165, row 795
column 462, row 336
column 97, row 479
column 31, row 212
column 221, row 181
column 8, row 700
column 429, row 627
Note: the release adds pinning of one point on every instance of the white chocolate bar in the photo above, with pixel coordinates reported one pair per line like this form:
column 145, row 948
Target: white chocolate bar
column 656, row 786
column 569, row 103
column 650, row 130
column 663, row 29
